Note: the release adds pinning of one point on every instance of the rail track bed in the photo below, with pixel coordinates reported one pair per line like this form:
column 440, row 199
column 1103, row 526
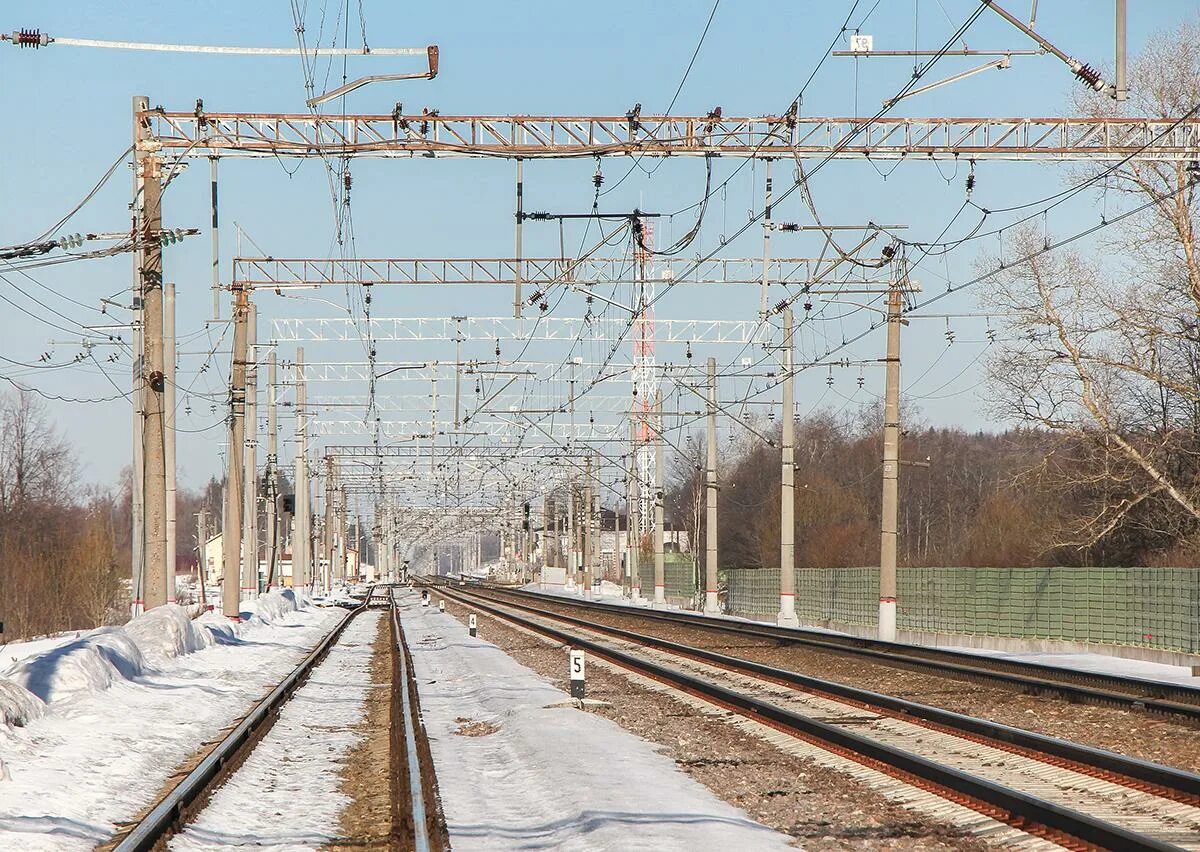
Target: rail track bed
column 1124, row 726
column 1169, row 699
column 246, row 790
column 1073, row 795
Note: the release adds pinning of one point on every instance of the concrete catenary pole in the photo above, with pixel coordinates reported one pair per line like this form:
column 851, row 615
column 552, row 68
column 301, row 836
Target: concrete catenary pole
column 585, row 523
column 343, row 535
column 787, row 492
column 169, row 429
column 235, row 457
column 149, row 285
column 891, row 469
column 548, row 544
column 597, row 519
column 250, row 482
column 137, row 505
column 618, row 551
column 635, row 520
column 520, row 221
column 712, row 605
column 216, row 239
column 302, row 536
column 202, row 549
column 1120, row 87
column 660, row 574
column 571, row 535
column 330, row 549
column 272, row 475
column 766, row 226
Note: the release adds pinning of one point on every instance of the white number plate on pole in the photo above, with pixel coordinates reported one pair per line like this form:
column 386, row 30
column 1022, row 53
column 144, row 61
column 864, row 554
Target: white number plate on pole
column 577, row 674
column 471, row 626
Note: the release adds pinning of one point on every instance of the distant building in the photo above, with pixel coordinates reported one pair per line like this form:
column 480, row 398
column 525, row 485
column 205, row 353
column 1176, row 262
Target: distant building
column 214, row 563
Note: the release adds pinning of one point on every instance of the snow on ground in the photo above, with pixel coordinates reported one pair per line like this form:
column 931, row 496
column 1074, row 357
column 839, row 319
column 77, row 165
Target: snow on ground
column 295, row 769
column 14, row 652
column 551, row 777
column 121, row 707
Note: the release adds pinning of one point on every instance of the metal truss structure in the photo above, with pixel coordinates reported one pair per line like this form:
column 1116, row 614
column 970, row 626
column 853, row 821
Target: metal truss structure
column 436, row 371
column 547, row 328
column 500, row 404
column 501, row 429
column 199, row 134
column 510, row 442
column 276, row 273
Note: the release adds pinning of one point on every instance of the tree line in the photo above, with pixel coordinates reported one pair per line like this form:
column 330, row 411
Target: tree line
column 65, row 548
column 966, row 498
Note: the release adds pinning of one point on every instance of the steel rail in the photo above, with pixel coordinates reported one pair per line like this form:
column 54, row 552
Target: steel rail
column 421, row 842
column 1131, row 692
column 1175, row 783
column 163, row 818
column 1015, row 807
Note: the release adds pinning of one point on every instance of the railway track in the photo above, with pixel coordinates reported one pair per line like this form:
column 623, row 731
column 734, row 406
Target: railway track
column 1074, row 795
column 415, row 816
column 1098, row 688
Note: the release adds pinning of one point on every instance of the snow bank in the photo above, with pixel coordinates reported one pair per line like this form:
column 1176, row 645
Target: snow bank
column 166, row 632
column 275, row 605
column 92, row 663
column 99, row 658
column 18, row 706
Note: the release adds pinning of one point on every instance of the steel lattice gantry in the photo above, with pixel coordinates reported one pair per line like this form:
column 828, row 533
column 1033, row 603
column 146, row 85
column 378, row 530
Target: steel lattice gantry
column 487, row 329
column 597, row 403
column 196, row 134
column 497, row 428
column 279, row 273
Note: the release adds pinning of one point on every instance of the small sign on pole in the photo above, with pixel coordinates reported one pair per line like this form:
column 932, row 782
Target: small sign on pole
column 441, row 604
column 577, row 675
column 471, row 627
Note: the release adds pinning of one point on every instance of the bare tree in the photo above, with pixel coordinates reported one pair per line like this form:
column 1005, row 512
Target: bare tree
column 58, row 561
column 1109, row 353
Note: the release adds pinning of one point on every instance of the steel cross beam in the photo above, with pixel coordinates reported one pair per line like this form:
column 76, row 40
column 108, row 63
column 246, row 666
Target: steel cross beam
column 426, row 372
column 483, row 428
column 279, row 273
column 546, row 328
column 408, row 451
column 764, row 137
column 501, row 404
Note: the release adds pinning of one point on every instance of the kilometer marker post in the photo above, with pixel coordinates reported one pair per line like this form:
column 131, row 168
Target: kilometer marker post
column 472, row 629
column 575, row 658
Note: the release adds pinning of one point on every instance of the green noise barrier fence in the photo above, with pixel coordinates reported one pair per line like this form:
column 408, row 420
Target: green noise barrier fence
column 679, row 574
column 1153, row 607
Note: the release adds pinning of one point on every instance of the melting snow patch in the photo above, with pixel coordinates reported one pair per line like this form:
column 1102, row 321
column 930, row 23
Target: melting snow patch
column 550, row 778
column 295, row 770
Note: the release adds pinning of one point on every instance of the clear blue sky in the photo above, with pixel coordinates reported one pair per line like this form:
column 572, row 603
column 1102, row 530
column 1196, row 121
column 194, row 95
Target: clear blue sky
column 67, row 117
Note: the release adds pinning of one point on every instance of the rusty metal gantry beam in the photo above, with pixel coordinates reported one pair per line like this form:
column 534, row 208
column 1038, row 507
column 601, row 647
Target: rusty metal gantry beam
column 191, row 134
column 281, row 273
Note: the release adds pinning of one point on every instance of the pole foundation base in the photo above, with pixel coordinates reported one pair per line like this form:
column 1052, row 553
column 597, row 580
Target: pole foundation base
column 712, row 606
column 887, row 619
column 787, row 619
